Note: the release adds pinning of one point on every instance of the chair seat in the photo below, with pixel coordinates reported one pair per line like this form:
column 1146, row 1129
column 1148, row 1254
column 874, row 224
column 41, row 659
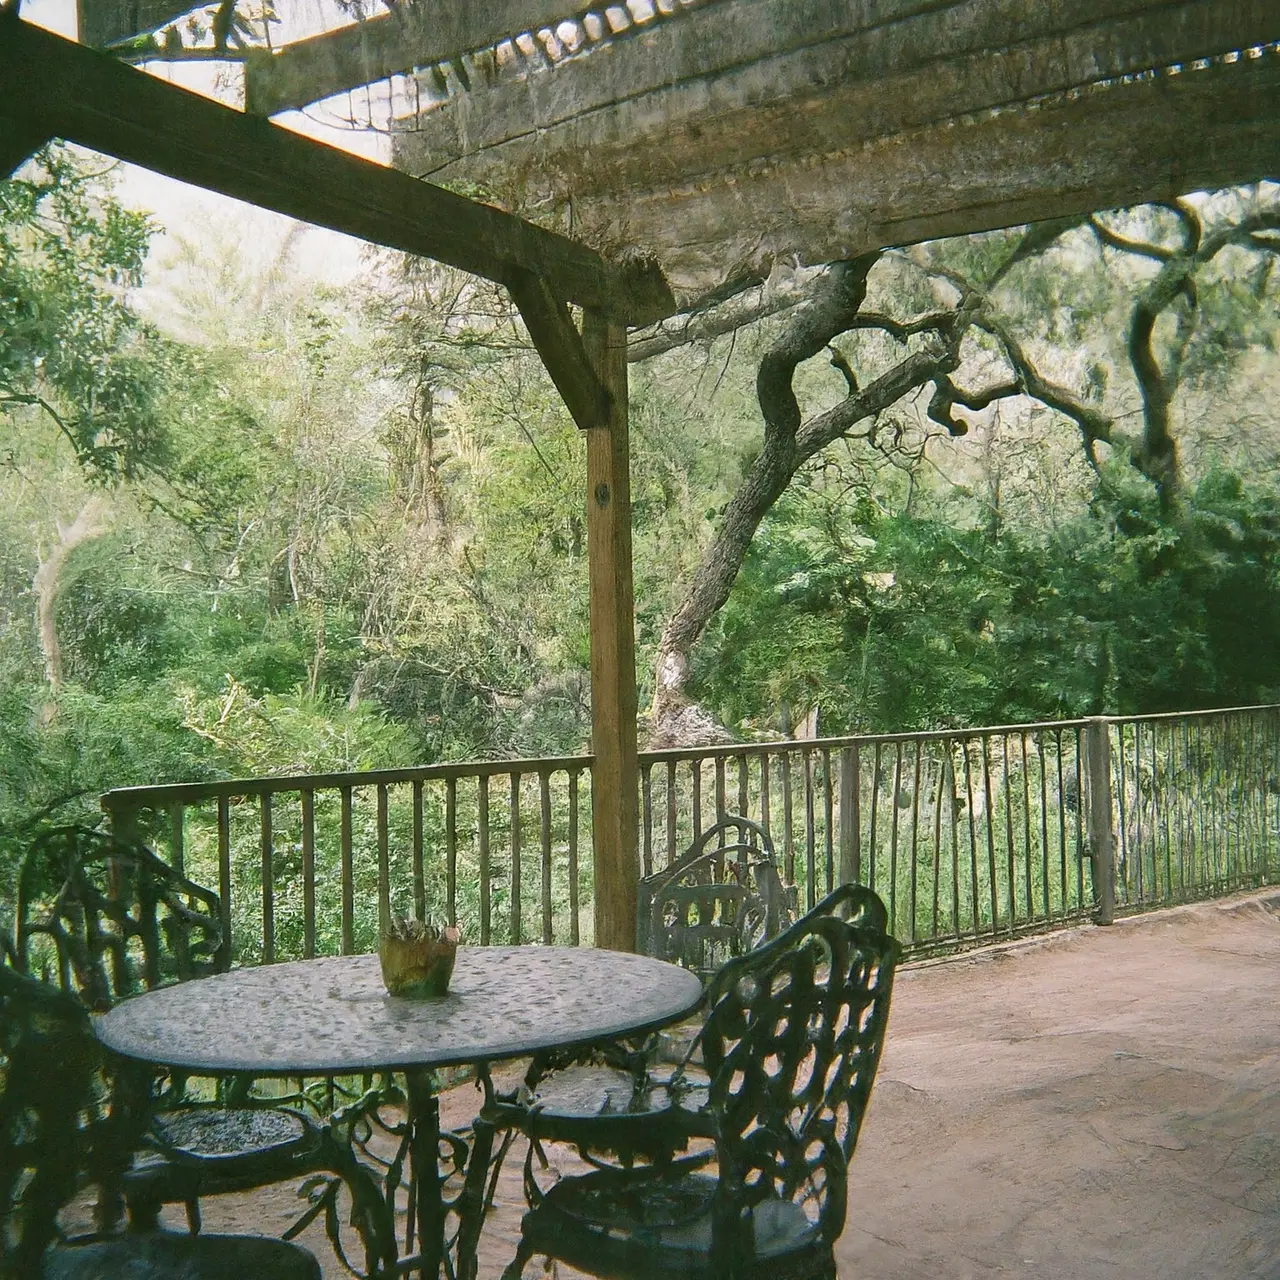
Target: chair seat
column 199, row 1151
column 603, row 1108
column 634, row 1223
column 163, row 1255
column 215, row 1133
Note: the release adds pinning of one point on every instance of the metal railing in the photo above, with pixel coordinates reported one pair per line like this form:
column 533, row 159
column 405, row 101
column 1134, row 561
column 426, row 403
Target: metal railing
column 969, row 835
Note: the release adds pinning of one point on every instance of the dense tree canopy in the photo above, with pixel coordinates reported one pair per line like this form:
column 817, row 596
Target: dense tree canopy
column 250, row 523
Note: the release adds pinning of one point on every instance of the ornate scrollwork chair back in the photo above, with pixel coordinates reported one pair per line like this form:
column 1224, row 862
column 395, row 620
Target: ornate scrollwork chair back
column 49, row 1060
column 117, row 919
column 792, row 1042
column 59, row 1131
column 720, row 899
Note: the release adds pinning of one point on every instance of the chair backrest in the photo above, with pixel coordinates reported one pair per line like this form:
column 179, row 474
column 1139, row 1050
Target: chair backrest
column 791, row 1041
column 721, row 898
column 50, row 1059
column 116, row 918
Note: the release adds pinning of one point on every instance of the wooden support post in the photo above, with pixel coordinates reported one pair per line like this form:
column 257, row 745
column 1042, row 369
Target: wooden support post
column 615, row 771
column 1102, row 854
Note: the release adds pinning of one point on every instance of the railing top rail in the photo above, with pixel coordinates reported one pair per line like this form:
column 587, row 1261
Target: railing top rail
column 147, row 797
column 851, row 740
column 1207, row 714
column 166, row 794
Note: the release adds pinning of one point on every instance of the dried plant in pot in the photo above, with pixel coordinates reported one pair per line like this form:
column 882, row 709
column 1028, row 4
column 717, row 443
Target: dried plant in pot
column 417, row 958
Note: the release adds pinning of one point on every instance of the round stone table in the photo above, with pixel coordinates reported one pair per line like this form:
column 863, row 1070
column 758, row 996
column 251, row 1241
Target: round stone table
column 332, row 1016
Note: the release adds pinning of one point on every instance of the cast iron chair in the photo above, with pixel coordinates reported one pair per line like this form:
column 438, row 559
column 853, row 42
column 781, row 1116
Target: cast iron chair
column 114, row 920
column 791, row 1044
column 57, row 1134
column 720, row 899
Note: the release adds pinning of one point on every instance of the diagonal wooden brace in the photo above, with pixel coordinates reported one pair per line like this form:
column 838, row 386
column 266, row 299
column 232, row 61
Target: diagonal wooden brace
column 561, row 347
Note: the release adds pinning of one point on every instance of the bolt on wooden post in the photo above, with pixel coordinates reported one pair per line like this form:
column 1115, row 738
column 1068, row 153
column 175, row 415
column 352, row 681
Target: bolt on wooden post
column 1097, row 736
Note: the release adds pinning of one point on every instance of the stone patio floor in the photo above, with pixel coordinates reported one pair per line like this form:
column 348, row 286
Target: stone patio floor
column 1091, row 1103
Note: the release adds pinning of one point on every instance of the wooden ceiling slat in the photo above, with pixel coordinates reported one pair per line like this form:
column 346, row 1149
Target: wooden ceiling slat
column 1105, row 148
column 104, row 22
column 55, row 87
column 392, row 43
column 726, row 86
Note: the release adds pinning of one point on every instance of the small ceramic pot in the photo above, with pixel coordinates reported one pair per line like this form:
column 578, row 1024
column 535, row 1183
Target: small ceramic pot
column 418, row 969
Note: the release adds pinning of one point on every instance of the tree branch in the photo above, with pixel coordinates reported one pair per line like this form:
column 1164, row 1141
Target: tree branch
column 702, row 322
column 1122, row 244
column 832, row 312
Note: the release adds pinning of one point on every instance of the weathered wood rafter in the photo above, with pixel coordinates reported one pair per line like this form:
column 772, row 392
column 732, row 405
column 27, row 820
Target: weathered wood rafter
column 1110, row 148
column 58, row 88
column 104, row 22
column 749, row 131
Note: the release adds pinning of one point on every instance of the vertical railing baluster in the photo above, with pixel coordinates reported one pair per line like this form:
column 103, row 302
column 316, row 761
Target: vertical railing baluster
column 721, row 794
column 766, row 805
column 177, row 841
column 573, row 858
column 874, row 832
column 915, row 829
column 1026, row 829
column 953, row 802
column 384, row 861
column 744, row 797
column 483, row 852
column 646, row 819
column 1137, row 811
column 788, row 817
column 1080, row 837
column 973, row 841
column 268, row 881
column 1008, row 832
column 850, row 849
column 1121, row 791
column 225, row 951
column 419, row 870
column 672, row 811
column 347, row 875
column 1160, row 803
column 544, row 802
column 993, row 887
column 451, row 849
column 695, row 797
column 1044, row 825
column 937, row 850
column 516, row 849
column 810, row 848
column 895, row 808
column 828, row 817
column 1062, row 822
column 308, row 873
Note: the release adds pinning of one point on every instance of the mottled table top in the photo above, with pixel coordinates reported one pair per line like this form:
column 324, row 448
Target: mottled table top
column 333, row 1015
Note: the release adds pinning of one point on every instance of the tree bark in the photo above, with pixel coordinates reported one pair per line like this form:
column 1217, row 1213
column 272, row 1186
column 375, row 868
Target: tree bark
column 90, row 523
column 788, row 444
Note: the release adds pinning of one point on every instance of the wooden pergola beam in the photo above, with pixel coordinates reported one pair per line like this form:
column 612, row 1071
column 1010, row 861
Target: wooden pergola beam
column 390, row 44
column 57, row 88
column 17, row 143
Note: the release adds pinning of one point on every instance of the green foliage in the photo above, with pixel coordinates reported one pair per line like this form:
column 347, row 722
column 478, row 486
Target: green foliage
column 889, row 621
column 69, row 343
